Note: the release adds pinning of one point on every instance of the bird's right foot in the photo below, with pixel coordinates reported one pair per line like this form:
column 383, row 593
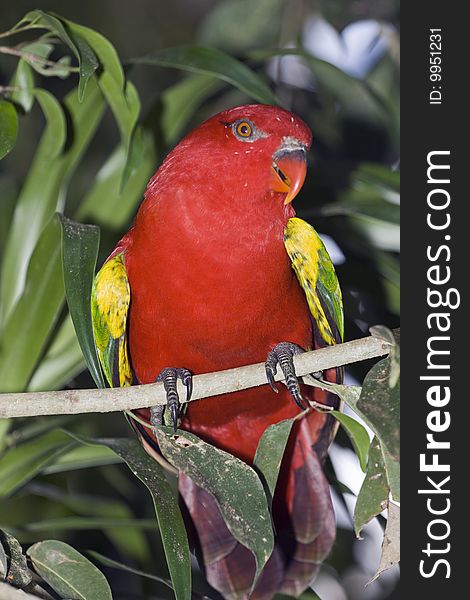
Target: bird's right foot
column 283, row 354
column 169, row 377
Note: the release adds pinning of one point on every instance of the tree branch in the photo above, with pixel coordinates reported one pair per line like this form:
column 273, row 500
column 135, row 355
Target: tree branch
column 65, row 402
column 8, row 592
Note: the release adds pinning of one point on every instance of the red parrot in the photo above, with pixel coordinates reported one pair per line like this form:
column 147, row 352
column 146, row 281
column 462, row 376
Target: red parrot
column 215, row 273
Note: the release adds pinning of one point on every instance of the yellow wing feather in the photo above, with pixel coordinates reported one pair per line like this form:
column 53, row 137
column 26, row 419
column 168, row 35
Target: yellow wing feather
column 317, row 278
column 110, row 305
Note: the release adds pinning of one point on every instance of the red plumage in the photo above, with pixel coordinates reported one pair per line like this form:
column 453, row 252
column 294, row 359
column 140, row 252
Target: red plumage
column 212, row 288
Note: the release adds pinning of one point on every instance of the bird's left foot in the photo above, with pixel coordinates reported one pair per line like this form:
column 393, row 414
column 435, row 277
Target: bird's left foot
column 169, row 377
column 283, row 354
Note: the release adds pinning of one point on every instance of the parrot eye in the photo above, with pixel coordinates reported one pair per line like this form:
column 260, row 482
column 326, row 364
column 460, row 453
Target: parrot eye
column 243, row 129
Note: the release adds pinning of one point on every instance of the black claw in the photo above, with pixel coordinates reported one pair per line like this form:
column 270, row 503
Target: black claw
column 270, row 373
column 174, row 412
column 297, row 396
column 169, row 377
column 187, row 380
column 282, row 355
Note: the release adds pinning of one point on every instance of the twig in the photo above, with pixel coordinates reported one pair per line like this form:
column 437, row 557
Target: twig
column 20, row 30
column 37, row 59
column 65, row 402
column 4, row 89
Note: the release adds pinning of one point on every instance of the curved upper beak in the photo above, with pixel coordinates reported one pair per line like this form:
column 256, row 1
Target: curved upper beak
column 289, row 169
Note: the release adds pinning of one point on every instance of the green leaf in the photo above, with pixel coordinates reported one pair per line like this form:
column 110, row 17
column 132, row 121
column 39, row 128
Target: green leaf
column 235, row 486
column 392, row 469
column 350, row 395
column 108, row 562
column 391, row 544
column 373, row 495
column 180, row 101
column 357, row 434
column 104, row 50
column 19, row 465
column 379, row 402
column 380, row 234
column 356, row 202
column 80, row 245
column 29, row 325
column 55, row 133
column 18, row 573
column 93, row 523
column 125, row 106
column 86, row 57
column 35, row 205
column 388, row 266
column 36, row 55
column 129, row 540
column 107, row 202
column 136, row 148
column 62, row 361
column 82, row 457
column 30, row 428
column 269, row 453
column 44, row 189
column 170, row 521
column 210, row 61
column 8, row 127
column 24, row 80
column 381, row 176
column 379, row 408
column 88, row 64
column 5, row 425
column 68, row 572
column 8, row 194
column 121, row 96
column 59, row 69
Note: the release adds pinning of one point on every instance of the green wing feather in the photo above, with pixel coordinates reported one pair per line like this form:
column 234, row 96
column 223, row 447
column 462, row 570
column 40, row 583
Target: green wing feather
column 317, row 276
column 110, row 299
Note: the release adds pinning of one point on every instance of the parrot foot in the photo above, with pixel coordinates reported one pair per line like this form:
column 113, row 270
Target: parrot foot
column 169, row 377
column 282, row 354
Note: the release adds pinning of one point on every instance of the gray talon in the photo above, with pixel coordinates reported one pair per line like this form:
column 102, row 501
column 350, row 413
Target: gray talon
column 169, row 377
column 187, row 379
column 282, row 355
column 270, row 366
column 174, row 411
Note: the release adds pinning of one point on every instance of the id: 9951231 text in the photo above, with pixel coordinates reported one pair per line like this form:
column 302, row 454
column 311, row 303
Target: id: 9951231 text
column 435, row 66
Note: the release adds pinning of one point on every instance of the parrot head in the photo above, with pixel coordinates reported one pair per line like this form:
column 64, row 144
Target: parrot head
column 271, row 134
column 244, row 154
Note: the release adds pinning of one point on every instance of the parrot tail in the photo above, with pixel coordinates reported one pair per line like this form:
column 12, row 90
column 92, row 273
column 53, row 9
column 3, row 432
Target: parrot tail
column 303, row 518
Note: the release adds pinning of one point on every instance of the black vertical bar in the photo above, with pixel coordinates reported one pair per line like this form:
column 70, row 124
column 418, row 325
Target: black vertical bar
column 434, row 120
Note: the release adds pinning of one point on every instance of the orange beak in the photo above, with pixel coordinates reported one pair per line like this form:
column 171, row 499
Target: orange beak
column 289, row 169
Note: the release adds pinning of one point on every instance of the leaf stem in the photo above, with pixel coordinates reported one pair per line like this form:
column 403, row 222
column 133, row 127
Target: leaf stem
column 19, row 30
column 37, row 59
